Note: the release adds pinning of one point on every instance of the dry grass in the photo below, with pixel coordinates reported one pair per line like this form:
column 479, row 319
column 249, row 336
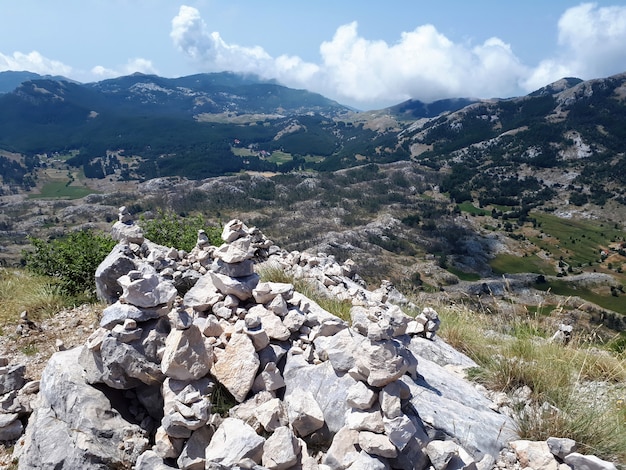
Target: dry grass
column 307, row 287
column 577, row 389
column 21, row 290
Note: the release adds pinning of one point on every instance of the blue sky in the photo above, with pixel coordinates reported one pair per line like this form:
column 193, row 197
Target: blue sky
column 367, row 54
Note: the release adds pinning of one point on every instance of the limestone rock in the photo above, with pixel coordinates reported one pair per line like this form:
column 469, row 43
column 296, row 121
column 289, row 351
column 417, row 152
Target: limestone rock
column 535, row 454
column 237, row 366
column 119, row 312
column 380, row 362
column 117, row 263
column 203, row 295
column 588, row 462
column 10, row 426
column 365, row 461
column 239, row 287
column 11, row 378
column 305, row 415
column 150, row 460
column 281, row 449
column 105, row 440
column 360, row 396
column 233, row 442
column 193, row 456
column 377, row 444
column 271, row 414
column 186, row 357
column 344, row 450
column 561, row 447
column 144, row 288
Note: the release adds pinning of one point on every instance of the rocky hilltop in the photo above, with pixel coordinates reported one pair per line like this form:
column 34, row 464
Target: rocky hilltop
column 198, row 364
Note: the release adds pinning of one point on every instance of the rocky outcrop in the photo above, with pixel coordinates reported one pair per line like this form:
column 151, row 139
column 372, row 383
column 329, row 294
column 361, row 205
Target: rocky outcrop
column 306, row 389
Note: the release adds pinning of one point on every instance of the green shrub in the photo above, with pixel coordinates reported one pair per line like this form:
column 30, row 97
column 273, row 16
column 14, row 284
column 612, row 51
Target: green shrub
column 72, row 260
column 169, row 229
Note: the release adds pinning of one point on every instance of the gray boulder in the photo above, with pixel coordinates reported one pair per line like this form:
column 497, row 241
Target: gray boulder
column 75, row 426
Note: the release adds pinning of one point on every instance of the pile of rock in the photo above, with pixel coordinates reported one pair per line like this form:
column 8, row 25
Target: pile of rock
column 552, row 454
column 15, row 398
column 309, row 389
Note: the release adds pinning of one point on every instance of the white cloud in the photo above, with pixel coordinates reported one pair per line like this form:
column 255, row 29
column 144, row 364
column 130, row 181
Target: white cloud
column 132, row 66
column 191, row 35
column 33, row 62
column 424, row 64
column 591, row 44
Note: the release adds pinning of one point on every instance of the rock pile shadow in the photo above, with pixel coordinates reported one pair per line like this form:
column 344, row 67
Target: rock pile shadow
column 197, row 364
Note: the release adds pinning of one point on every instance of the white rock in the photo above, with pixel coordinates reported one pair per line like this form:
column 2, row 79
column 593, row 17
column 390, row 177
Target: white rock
column 344, row 450
column 305, row 415
column 281, row 449
column 399, row 430
column 377, row 444
column 380, row 362
column 272, row 324
column 269, row 379
column 588, row 462
column 366, row 420
column 535, row 454
column 239, row 287
column 360, row 396
column 271, row 414
column 186, row 356
column 234, row 441
column 365, row 461
column 237, row 366
column 193, row 456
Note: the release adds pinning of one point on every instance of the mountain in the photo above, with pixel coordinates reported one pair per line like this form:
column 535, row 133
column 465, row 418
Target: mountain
column 568, row 135
column 495, row 151
column 183, row 126
column 10, row 80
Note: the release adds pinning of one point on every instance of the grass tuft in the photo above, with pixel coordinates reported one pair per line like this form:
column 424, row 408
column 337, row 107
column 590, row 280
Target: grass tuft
column 308, row 288
column 575, row 388
column 22, row 290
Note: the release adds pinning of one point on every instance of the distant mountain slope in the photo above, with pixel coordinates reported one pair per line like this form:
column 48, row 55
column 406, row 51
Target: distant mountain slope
column 504, row 150
column 10, row 80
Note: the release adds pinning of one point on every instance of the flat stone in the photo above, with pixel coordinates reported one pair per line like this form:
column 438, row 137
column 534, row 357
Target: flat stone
column 12, row 378
column 203, row 295
column 535, row 454
column 366, row 420
column 239, row 287
column 377, row 444
column 281, row 449
column 266, row 291
column 118, row 313
column 233, row 442
column 186, row 356
column 237, row 366
column 588, row 462
column 561, row 446
column 305, row 415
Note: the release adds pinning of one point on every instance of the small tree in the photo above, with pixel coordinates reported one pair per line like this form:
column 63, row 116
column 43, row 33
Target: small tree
column 72, row 260
column 169, row 229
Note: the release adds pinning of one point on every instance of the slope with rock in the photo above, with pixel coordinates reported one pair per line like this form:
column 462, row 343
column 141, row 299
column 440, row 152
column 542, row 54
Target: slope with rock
column 310, row 390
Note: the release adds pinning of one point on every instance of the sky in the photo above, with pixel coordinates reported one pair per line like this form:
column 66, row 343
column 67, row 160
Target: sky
column 362, row 53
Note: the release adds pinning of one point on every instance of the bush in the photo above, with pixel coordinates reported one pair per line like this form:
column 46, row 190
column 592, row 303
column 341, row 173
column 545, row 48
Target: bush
column 72, row 260
column 171, row 230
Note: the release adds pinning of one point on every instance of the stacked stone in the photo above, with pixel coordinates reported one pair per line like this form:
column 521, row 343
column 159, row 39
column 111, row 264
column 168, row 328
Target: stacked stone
column 15, row 397
column 302, row 378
